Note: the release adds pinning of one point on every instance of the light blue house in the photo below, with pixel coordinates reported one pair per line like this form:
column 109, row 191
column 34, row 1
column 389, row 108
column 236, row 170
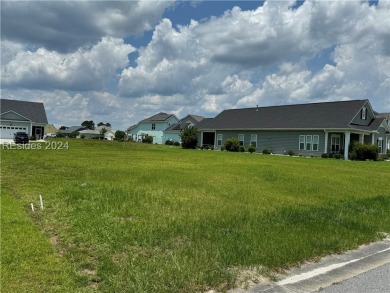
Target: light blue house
column 152, row 126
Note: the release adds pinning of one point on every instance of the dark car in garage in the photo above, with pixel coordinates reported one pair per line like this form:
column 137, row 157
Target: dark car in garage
column 21, row 137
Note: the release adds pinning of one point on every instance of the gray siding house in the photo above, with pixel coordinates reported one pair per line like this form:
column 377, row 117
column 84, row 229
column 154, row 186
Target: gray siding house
column 22, row 116
column 307, row 129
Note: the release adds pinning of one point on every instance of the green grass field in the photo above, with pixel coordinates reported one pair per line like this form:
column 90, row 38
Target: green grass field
column 123, row 217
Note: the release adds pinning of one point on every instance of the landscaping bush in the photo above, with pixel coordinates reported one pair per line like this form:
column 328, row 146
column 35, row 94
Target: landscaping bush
column 232, row 144
column 59, row 134
column 169, row 142
column 267, row 151
column 176, row 143
column 362, row 152
column 324, row 155
column 251, row 149
column 222, row 148
column 74, row 134
column 242, row 149
column 148, row 139
column 290, row 153
column 337, row 156
column 189, row 137
column 33, row 137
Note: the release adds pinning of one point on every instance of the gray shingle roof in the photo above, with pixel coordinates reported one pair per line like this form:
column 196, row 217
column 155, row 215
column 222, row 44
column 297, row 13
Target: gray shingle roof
column 31, row 110
column 194, row 119
column 302, row 116
column 158, row 117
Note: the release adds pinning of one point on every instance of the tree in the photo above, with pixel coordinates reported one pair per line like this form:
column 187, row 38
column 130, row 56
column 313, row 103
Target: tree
column 119, row 135
column 74, row 134
column 88, row 124
column 189, row 137
column 103, row 131
column 104, row 124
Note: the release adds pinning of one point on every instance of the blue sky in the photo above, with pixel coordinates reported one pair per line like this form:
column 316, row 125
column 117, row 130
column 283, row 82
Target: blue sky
column 122, row 61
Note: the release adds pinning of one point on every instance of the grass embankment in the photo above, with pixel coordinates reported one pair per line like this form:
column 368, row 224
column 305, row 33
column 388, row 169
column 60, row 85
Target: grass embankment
column 146, row 218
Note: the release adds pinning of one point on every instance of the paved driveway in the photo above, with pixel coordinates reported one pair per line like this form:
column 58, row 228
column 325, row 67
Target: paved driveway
column 6, row 141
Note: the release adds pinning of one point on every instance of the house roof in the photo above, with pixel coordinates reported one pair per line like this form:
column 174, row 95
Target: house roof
column 331, row 115
column 160, row 117
column 73, row 129
column 184, row 122
column 33, row 111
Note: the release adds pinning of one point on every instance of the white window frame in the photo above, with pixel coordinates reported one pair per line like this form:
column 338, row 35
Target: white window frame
column 302, row 140
column 254, row 140
column 309, row 142
column 219, row 139
column 241, row 140
column 153, row 126
column 316, row 142
column 333, row 136
column 364, row 113
column 380, row 145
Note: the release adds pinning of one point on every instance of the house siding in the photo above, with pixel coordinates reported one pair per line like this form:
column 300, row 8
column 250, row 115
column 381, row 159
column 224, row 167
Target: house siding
column 278, row 141
column 358, row 118
column 381, row 133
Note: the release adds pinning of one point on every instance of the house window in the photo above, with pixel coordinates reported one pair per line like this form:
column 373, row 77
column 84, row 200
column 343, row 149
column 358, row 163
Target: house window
column 241, row 139
column 308, row 142
column 254, row 140
column 335, row 143
column 301, row 142
column 380, row 145
column 316, row 139
column 364, row 113
column 153, row 126
column 219, row 139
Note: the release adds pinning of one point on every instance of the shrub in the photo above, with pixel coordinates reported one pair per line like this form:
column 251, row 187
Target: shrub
column 176, row 143
column 267, row 151
column 33, row 137
column 362, row 152
column 242, row 149
column 147, row 139
column 120, row 135
column 232, row 144
column 324, row 155
column 251, row 149
column 74, row 134
column 189, row 137
column 59, row 134
column 290, row 153
column 330, row 155
column 222, row 148
column 169, row 142
column 337, row 156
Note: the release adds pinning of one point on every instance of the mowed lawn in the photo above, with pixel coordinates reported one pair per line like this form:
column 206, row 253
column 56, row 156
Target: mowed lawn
column 124, row 217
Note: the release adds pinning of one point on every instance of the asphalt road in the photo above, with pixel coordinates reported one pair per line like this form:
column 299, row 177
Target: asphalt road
column 373, row 281
column 364, row 270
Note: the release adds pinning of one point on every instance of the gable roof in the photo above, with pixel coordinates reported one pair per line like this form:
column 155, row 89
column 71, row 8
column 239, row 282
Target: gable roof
column 195, row 119
column 160, row 117
column 71, row 129
column 33, row 111
column 330, row 115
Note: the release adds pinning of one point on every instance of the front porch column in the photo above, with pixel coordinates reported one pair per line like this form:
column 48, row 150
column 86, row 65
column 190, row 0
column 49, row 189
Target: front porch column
column 372, row 138
column 346, row 144
column 326, row 142
column 361, row 138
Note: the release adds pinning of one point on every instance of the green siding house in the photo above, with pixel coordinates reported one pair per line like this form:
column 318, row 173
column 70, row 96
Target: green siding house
column 152, row 126
column 307, row 129
column 173, row 132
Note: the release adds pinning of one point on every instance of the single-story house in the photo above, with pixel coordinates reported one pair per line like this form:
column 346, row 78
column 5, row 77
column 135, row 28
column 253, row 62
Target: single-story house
column 173, row 132
column 307, row 129
column 69, row 130
column 22, row 116
column 152, row 126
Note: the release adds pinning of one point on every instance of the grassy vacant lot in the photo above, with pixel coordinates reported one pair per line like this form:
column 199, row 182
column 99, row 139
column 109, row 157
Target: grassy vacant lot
column 122, row 217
